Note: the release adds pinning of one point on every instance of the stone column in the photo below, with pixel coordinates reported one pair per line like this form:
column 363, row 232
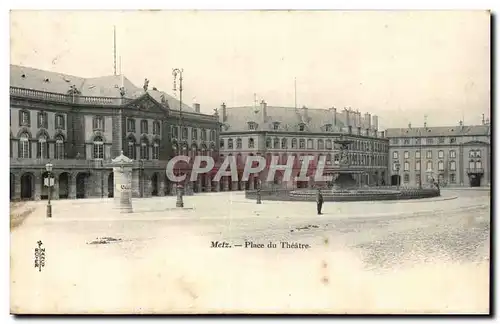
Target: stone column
column 161, row 187
column 72, row 186
column 217, row 185
column 38, row 185
column 225, row 183
column 234, row 185
column 252, row 182
column 199, row 185
column 122, row 173
column 209, row 184
column 243, row 185
column 105, row 188
column 17, row 186
column 55, row 188
column 136, row 183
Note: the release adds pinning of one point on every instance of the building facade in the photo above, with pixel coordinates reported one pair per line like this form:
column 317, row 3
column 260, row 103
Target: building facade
column 80, row 124
column 455, row 155
column 282, row 131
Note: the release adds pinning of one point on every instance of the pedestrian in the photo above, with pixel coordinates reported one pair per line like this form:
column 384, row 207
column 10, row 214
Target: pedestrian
column 319, row 201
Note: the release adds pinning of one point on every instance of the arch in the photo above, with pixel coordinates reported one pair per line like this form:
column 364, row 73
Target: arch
column 81, row 184
column 276, row 143
column 42, row 132
column 154, row 184
column 24, row 130
column 63, row 185
column 12, row 185
column 98, row 134
column 27, row 185
column 131, row 146
column 284, row 143
column 24, row 148
column 294, row 143
column 98, row 147
column 111, row 185
column 144, row 148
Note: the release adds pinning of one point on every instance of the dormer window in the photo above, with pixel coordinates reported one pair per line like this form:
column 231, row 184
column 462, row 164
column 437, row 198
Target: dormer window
column 252, row 126
column 276, row 125
column 328, row 128
column 46, row 80
column 23, row 76
column 302, row 127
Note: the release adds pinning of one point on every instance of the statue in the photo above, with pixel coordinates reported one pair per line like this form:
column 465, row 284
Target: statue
column 146, row 84
column 162, row 98
column 122, row 91
column 216, row 112
column 344, row 159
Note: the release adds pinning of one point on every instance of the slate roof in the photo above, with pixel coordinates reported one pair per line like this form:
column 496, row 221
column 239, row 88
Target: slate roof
column 104, row 86
column 289, row 118
column 474, row 130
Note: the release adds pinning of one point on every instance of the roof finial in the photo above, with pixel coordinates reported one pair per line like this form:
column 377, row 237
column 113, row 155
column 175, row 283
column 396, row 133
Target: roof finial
column 121, row 152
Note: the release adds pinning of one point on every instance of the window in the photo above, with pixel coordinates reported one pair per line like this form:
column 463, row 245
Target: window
column 478, row 165
column 321, row 144
column 59, row 148
column 302, row 127
column 131, row 125
column 328, row 144
column 472, row 153
column 252, row 126
column 212, row 135
column 440, row 166
column 42, row 119
column 175, row 131
column 156, row 128
column 417, row 154
column 294, row 143
column 418, row 141
column 407, row 155
column 453, row 154
column 276, row 125
column 310, row 144
column 417, row 166
column 428, row 155
column 156, row 150
column 417, row 178
column 276, row 143
column 395, row 141
column 478, row 153
column 440, row 154
column 131, row 148
column 144, row 149
column 407, row 166
column 472, row 164
column 239, row 143
column 406, row 178
column 429, row 165
column 251, row 143
column 144, row 126
column 203, row 135
column 441, row 140
column 230, row 143
column 429, row 141
column 328, row 128
column 406, row 141
column 194, row 134
column 453, row 165
column 221, row 143
column 184, row 133
column 268, row 143
column 453, row 140
column 395, row 155
column 43, row 152
column 453, row 178
column 24, row 146
column 24, row 118
column 59, row 122
column 98, row 148
column 284, row 143
column 395, row 166
column 302, row 143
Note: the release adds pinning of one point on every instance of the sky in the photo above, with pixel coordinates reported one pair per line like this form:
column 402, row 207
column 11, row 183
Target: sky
column 399, row 65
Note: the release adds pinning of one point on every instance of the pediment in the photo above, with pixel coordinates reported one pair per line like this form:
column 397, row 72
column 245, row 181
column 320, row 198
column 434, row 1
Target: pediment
column 475, row 142
column 146, row 103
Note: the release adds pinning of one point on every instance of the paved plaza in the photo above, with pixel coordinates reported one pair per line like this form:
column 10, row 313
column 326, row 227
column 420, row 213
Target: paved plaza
column 429, row 255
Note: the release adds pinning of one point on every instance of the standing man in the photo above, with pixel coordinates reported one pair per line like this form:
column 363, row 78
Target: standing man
column 319, row 201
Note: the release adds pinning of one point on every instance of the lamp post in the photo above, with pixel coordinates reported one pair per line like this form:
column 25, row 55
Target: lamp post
column 179, row 203
column 49, row 184
column 420, row 141
column 259, row 198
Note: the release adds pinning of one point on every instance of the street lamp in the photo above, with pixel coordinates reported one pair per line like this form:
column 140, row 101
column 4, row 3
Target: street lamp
column 49, row 183
column 259, row 198
column 179, row 203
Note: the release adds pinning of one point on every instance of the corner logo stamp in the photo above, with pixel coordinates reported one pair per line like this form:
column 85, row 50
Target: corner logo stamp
column 39, row 256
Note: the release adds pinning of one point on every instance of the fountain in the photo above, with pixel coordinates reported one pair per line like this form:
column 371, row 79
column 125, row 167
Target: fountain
column 343, row 186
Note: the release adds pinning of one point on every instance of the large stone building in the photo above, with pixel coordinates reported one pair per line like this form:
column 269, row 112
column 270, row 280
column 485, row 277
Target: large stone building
column 452, row 155
column 80, row 124
column 282, row 131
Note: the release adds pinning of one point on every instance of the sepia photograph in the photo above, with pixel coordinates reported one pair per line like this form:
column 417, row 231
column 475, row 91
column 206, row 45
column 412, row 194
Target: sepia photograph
column 250, row 162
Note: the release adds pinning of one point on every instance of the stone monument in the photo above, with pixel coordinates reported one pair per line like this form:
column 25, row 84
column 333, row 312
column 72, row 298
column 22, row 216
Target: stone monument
column 122, row 174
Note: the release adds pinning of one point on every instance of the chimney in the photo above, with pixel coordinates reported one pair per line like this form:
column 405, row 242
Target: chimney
column 359, row 130
column 368, row 121
column 333, row 111
column 382, row 134
column 409, row 125
column 461, row 123
column 483, row 120
column 263, row 110
column 224, row 112
column 375, row 122
column 347, row 117
column 358, row 115
column 196, row 107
